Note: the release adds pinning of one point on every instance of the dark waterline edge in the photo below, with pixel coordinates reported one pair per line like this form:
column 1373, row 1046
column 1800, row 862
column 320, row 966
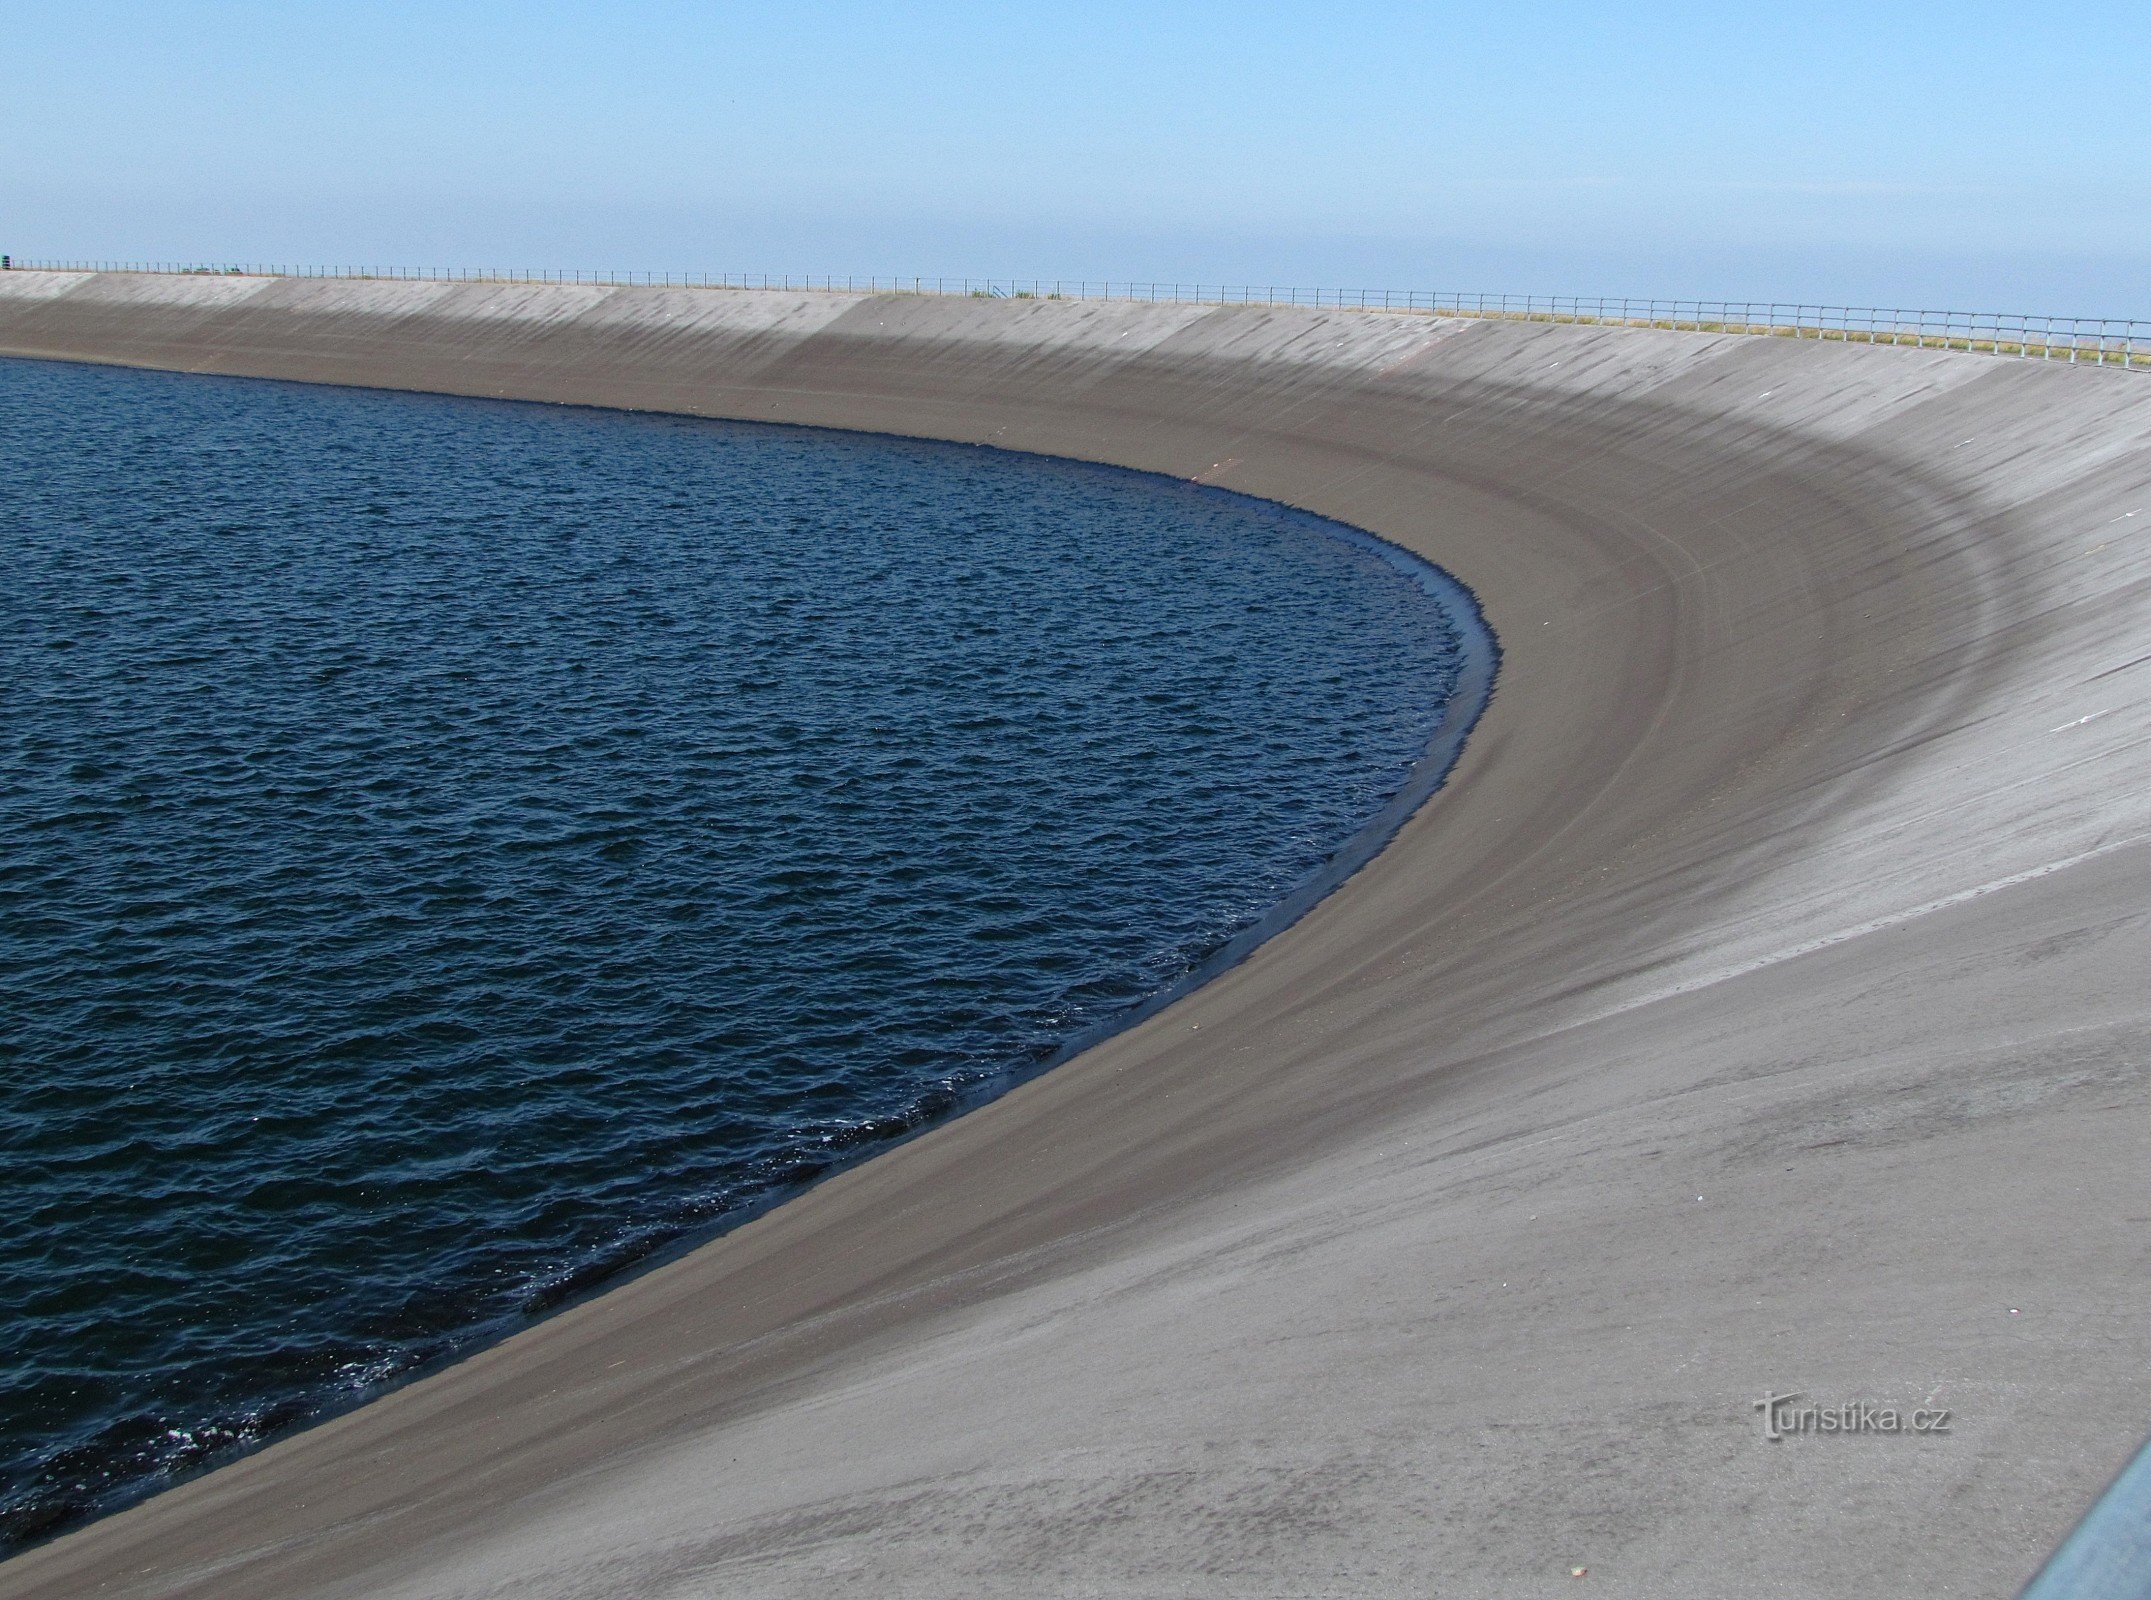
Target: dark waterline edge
column 1481, row 650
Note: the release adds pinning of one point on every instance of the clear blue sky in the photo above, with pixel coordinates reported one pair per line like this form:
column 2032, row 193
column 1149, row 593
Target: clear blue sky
column 1974, row 155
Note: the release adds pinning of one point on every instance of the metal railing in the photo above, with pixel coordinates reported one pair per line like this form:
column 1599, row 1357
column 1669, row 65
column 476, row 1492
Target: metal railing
column 2101, row 341
column 2108, row 1555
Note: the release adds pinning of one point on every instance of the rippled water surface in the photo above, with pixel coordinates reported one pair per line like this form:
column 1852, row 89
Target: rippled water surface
column 453, row 848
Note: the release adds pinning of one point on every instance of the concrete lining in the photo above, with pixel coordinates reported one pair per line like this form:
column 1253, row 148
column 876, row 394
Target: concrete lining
column 1760, row 1007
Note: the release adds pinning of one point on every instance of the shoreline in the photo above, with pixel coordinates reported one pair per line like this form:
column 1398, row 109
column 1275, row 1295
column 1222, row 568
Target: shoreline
column 1476, row 679
column 1769, row 944
column 1460, row 712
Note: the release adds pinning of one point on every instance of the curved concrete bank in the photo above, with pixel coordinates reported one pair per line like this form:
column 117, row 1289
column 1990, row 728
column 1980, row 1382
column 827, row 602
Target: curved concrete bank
column 1760, row 1008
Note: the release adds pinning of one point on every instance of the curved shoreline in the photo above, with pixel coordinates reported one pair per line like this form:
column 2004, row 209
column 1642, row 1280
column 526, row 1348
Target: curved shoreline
column 1756, row 1009
column 637, row 1255
column 1460, row 714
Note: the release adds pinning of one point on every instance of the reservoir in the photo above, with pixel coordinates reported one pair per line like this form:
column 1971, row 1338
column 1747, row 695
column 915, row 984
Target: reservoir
column 456, row 850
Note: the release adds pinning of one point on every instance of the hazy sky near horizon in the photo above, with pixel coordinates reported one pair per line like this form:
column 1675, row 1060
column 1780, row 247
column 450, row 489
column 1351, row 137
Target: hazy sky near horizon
column 1977, row 155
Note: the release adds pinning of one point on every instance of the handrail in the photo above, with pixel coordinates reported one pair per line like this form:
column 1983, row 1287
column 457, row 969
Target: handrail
column 2108, row 1556
column 2102, row 341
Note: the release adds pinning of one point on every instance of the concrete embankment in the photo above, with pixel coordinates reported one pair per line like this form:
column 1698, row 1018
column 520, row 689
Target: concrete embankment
column 1761, row 1007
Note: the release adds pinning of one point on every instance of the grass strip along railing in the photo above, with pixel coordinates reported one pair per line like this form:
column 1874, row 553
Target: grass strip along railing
column 2103, row 341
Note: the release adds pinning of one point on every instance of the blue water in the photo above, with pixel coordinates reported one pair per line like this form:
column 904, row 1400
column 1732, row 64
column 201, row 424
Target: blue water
column 454, row 848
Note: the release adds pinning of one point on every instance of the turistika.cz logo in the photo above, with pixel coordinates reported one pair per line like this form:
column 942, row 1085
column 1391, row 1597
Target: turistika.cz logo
column 1782, row 1417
